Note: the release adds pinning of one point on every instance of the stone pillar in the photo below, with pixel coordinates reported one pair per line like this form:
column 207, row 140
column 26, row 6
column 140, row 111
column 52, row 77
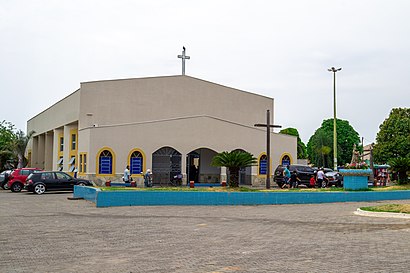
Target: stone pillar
column 56, row 147
column 34, row 153
column 67, row 147
column 41, row 151
column 48, row 151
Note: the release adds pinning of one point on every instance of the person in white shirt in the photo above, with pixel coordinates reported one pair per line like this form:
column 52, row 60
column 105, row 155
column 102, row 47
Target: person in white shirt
column 320, row 177
column 126, row 177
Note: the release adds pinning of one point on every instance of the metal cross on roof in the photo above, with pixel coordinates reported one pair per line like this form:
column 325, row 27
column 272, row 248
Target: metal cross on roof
column 183, row 57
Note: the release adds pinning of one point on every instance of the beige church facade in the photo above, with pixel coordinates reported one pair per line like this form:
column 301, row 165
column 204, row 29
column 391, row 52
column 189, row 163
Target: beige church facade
column 172, row 125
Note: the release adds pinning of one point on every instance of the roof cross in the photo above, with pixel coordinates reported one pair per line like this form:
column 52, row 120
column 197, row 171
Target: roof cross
column 183, row 57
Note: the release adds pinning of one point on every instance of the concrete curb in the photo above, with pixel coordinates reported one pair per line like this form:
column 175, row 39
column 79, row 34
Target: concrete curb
column 382, row 214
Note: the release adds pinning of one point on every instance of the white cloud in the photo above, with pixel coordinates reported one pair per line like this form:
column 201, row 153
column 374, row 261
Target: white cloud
column 280, row 49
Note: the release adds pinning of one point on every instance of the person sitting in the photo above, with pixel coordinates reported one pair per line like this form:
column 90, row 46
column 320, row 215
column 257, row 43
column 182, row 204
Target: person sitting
column 294, row 180
column 312, row 182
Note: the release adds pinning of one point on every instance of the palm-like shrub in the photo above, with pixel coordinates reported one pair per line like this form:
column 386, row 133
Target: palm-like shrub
column 233, row 161
column 401, row 165
column 19, row 146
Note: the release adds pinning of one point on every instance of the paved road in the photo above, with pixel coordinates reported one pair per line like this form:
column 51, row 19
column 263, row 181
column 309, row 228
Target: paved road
column 49, row 233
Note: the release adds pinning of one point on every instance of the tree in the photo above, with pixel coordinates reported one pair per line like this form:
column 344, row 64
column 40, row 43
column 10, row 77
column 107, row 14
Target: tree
column 19, row 147
column 7, row 137
column 393, row 138
column 401, row 165
column 301, row 146
column 320, row 144
column 234, row 161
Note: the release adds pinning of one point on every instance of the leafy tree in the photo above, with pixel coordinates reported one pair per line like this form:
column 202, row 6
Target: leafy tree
column 393, row 139
column 301, row 146
column 234, row 161
column 19, row 147
column 320, row 144
column 401, row 165
column 7, row 137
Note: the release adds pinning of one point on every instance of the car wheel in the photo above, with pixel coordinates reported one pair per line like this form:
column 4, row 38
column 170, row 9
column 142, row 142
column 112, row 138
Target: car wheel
column 39, row 188
column 5, row 186
column 16, row 187
column 324, row 184
column 81, row 184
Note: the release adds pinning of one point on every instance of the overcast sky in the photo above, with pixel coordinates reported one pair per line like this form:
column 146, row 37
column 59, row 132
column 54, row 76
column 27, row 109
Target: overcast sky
column 281, row 49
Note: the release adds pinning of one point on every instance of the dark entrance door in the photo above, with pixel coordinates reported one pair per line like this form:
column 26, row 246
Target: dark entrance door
column 192, row 170
column 166, row 163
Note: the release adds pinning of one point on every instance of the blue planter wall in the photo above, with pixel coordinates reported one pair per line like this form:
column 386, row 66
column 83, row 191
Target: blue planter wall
column 195, row 198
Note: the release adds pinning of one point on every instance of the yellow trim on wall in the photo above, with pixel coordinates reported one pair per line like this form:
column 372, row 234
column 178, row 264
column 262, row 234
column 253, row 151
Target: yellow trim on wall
column 60, row 140
column 97, row 162
column 270, row 165
column 143, row 161
column 74, row 132
column 283, row 155
column 82, row 164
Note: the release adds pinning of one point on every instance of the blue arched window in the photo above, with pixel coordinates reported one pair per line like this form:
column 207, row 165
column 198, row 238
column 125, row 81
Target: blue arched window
column 285, row 160
column 263, row 164
column 136, row 163
column 105, row 161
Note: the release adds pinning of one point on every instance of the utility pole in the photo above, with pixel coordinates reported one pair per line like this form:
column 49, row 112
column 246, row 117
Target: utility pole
column 334, row 70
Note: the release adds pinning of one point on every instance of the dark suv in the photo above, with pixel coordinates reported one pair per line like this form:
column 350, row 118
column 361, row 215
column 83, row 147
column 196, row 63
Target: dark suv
column 17, row 178
column 39, row 182
column 304, row 173
column 4, row 178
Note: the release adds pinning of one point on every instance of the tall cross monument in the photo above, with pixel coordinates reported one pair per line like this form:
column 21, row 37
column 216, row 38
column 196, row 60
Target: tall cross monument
column 183, row 57
column 268, row 127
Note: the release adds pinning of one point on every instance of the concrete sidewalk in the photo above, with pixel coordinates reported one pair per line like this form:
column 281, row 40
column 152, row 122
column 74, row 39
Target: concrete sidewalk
column 49, row 233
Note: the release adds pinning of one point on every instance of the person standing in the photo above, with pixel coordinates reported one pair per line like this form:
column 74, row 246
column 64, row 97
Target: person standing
column 126, row 177
column 286, row 177
column 148, row 178
column 320, row 178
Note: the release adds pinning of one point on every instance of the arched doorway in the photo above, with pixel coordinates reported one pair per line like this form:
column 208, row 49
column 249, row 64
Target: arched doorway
column 199, row 167
column 166, row 163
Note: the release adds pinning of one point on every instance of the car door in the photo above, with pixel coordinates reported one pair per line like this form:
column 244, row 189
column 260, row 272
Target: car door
column 49, row 180
column 65, row 181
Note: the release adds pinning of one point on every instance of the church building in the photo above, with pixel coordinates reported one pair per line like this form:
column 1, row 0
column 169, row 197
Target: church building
column 171, row 125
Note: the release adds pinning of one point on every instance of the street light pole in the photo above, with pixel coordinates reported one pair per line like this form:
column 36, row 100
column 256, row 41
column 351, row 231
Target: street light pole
column 334, row 70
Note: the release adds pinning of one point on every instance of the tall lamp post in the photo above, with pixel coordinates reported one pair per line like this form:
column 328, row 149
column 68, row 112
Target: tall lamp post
column 334, row 70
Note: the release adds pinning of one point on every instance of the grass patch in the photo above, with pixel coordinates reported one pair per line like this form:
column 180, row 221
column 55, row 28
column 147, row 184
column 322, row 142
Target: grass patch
column 203, row 189
column 392, row 188
column 397, row 208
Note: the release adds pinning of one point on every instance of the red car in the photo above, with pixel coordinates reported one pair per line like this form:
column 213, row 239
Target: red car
column 17, row 178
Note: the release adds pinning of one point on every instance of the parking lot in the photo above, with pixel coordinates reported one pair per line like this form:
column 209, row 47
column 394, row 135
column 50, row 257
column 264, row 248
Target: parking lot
column 50, row 233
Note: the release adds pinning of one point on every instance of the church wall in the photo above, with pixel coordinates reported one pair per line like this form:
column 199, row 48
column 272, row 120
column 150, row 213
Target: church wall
column 150, row 99
column 207, row 133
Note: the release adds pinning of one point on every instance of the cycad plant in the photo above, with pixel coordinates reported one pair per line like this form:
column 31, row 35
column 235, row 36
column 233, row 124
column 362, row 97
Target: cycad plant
column 20, row 145
column 233, row 161
column 401, row 165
